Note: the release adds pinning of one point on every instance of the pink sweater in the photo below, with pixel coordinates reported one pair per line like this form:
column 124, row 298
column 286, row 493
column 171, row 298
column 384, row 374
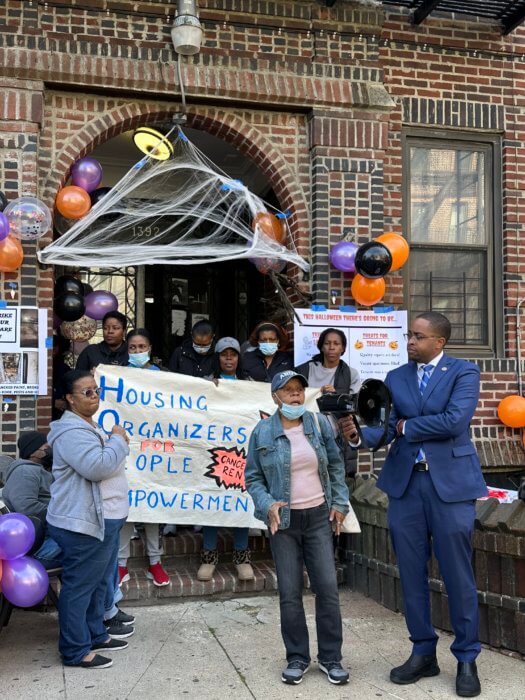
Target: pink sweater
column 306, row 490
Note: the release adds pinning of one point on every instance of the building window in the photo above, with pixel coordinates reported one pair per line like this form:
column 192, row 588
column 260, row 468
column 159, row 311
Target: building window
column 451, row 186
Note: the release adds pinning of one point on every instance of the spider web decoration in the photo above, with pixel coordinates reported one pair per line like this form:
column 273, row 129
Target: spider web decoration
column 181, row 211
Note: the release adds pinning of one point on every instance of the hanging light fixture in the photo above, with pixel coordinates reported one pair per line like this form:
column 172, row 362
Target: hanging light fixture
column 152, row 143
column 186, row 33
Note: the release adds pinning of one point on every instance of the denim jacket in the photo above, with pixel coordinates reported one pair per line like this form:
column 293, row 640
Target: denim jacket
column 268, row 468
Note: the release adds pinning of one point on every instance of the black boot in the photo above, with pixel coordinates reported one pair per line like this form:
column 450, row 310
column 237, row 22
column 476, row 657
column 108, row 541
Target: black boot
column 467, row 681
column 414, row 668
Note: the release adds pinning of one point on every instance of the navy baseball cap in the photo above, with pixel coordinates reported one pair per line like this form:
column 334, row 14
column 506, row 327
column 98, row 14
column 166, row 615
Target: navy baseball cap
column 284, row 377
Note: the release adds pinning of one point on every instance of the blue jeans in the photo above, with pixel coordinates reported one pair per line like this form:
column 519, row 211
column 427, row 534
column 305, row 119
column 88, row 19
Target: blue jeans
column 308, row 541
column 113, row 594
column 49, row 554
column 87, row 564
column 240, row 537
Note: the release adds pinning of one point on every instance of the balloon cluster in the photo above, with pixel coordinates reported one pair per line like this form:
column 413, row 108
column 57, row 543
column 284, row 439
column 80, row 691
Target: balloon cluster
column 23, row 580
column 25, row 218
column 275, row 228
column 78, row 308
column 511, row 411
column 370, row 263
column 75, row 200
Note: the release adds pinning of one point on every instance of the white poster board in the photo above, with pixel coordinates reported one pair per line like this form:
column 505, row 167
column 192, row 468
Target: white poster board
column 375, row 342
column 23, row 350
column 188, row 443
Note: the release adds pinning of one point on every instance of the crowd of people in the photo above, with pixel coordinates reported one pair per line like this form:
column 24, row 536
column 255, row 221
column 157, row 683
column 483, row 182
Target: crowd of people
column 296, row 470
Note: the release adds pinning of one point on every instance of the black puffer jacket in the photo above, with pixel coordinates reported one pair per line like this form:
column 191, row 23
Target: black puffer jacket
column 254, row 365
column 346, row 381
column 184, row 360
column 102, row 354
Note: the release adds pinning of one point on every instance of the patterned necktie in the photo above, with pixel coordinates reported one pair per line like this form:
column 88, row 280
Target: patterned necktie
column 427, row 371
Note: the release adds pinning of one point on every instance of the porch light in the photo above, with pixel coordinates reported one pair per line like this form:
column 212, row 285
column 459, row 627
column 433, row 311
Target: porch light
column 152, row 143
column 186, row 33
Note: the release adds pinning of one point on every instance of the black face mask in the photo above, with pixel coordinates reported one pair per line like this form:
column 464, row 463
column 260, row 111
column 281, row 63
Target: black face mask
column 47, row 459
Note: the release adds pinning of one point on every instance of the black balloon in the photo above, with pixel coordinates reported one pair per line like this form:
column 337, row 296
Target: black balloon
column 3, row 201
column 69, row 307
column 373, row 260
column 97, row 195
column 67, row 284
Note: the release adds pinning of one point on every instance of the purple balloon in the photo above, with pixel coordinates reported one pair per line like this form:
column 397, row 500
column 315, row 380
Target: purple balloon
column 17, row 535
column 87, row 173
column 4, row 226
column 99, row 302
column 24, row 581
column 342, row 256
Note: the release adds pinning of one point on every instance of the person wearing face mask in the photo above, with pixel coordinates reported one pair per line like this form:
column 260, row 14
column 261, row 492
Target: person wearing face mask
column 139, row 350
column 112, row 350
column 195, row 357
column 27, row 490
column 270, row 357
column 228, row 367
column 296, row 478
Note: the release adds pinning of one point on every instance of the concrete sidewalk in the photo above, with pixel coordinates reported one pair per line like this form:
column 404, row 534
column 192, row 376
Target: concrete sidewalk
column 233, row 649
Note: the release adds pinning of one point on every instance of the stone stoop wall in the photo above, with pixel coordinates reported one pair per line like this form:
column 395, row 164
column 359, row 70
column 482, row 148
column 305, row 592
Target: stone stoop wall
column 318, row 97
column 499, row 565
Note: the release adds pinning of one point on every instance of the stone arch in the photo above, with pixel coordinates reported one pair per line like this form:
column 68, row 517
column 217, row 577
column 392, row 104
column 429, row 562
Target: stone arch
column 229, row 127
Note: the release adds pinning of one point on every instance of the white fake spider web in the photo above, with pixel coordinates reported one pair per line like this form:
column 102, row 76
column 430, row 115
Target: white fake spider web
column 184, row 211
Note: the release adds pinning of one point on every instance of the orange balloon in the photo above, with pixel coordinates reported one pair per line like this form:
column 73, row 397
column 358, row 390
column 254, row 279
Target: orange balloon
column 73, row 202
column 511, row 411
column 367, row 291
column 11, row 254
column 398, row 247
column 270, row 225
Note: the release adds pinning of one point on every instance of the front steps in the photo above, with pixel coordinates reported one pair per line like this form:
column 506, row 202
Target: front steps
column 181, row 560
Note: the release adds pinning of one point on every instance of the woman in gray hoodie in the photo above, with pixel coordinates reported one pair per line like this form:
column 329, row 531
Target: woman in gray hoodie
column 88, row 506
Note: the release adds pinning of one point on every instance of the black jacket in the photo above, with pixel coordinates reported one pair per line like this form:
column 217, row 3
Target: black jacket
column 254, row 365
column 101, row 354
column 345, row 377
column 184, row 360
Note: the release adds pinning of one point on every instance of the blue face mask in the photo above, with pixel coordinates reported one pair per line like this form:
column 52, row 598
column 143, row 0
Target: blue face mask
column 292, row 412
column 228, row 376
column 139, row 359
column 201, row 349
column 268, row 348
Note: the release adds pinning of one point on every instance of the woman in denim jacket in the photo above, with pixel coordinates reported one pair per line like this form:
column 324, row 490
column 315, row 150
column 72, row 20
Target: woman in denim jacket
column 296, row 477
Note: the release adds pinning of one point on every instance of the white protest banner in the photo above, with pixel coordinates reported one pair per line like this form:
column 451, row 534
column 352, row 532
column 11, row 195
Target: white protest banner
column 374, row 341
column 23, row 350
column 188, row 443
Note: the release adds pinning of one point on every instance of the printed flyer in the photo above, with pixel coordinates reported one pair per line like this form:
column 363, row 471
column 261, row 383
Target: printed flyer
column 23, row 352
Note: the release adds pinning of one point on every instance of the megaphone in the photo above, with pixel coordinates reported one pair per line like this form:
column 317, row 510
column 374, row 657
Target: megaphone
column 372, row 404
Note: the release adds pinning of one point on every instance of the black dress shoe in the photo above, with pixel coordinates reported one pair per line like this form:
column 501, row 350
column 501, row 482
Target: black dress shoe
column 467, row 681
column 414, row 668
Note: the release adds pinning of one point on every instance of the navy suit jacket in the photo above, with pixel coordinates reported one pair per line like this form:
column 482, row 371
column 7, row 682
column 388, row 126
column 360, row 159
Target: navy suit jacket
column 439, row 422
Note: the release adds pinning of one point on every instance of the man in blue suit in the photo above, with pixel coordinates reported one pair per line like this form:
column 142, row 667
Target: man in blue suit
column 432, row 477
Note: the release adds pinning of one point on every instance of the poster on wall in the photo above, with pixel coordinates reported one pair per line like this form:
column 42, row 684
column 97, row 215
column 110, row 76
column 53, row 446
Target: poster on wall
column 188, row 442
column 23, row 352
column 375, row 342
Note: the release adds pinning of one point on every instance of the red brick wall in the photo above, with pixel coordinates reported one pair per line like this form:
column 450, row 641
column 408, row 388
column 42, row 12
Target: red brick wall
column 317, row 97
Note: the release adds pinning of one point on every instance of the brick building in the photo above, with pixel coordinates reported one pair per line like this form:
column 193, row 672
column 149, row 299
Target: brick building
column 351, row 116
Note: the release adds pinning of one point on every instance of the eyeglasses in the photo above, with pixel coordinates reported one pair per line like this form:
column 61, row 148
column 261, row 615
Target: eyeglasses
column 89, row 393
column 418, row 337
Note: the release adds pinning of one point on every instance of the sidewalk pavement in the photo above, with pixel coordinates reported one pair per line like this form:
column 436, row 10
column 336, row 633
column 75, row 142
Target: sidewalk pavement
column 233, row 649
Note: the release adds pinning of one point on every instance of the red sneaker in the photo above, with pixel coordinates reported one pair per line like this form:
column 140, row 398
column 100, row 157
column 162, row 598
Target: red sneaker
column 123, row 575
column 157, row 574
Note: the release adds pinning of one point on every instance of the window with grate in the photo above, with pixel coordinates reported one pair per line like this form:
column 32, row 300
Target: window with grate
column 451, row 186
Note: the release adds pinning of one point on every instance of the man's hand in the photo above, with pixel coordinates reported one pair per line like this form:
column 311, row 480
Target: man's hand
column 328, row 389
column 274, row 519
column 337, row 518
column 399, row 426
column 348, row 429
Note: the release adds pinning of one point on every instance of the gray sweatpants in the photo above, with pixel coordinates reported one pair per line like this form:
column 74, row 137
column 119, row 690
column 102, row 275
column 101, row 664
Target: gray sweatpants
column 150, row 536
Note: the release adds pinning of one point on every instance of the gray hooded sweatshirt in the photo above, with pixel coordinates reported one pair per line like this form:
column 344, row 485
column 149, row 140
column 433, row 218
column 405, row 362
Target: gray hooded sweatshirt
column 27, row 487
column 81, row 462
